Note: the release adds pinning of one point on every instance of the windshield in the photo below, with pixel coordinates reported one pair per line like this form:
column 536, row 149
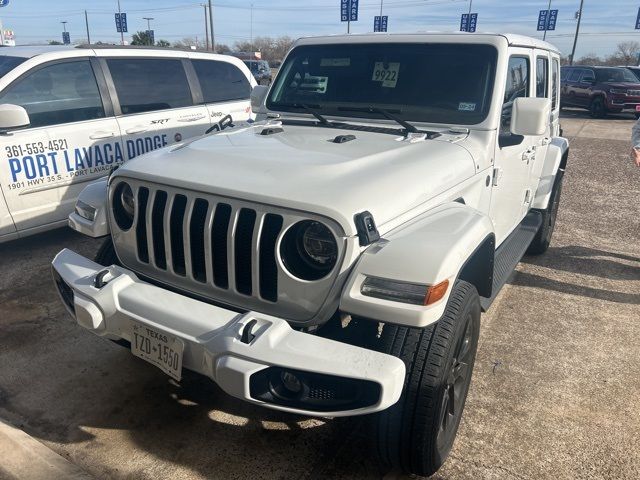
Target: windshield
column 8, row 63
column 615, row 75
column 435, row 83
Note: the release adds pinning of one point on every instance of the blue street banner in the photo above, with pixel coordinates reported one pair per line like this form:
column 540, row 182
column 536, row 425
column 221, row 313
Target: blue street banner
column 638, row 20
column 4, row 3
column 380, row 23
column 547, row 20
column 552, row 17
column 349, row 10
column 121, row 22
column 152, row 37
column 66, row 38
column 468, row 22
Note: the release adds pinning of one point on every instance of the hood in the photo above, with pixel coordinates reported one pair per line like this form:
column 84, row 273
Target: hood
column 623, row 85
column 301, row 168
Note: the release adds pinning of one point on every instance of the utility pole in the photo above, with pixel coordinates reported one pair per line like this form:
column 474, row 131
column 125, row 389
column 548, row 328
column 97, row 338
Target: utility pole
column 121, row 33
column 544, row 37
column 251, row 30
column 206, row 25
column 64, row 26
column 86, row 21
column 148, row 19
column 213, row 40
column 470, row 4
column 575, row 39
column 381, row 9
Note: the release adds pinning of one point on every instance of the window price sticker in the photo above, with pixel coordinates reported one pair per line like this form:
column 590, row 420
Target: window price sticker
column 387, row 73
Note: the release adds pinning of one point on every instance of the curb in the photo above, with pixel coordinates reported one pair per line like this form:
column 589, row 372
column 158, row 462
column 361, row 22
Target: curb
column 23, row 457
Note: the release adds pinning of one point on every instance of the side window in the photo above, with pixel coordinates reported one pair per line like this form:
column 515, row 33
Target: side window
column 221, row 81
column 575, row 75
column 58, row 93
column 517, row 86
column 564, row 73
column 146, row 85
column 542, row 77
column 588, row 76
column 554, row 83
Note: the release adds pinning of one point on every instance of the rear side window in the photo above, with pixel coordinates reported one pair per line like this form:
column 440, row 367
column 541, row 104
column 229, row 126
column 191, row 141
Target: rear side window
column 146, row 85
column 58, row 93
column 542, row 77
column 554, row 83
column 221, row 81
column 8, row 63
column 564, row 73
column 575, row 75
column 587, row 75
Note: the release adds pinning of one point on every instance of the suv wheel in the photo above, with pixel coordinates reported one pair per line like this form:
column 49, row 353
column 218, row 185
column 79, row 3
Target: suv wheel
column 637, row 114
column 417, row 433
column 541, row 241
column 106, row 255
column 597, row 108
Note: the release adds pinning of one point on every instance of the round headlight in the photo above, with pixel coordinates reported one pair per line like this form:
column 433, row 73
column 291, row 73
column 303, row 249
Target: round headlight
column 309, row 250
column 124, row 205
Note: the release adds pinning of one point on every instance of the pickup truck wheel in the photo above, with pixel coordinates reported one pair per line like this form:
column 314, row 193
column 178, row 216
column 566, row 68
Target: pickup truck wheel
column 106, row 255
column 417, row 433
column 597, row 108
column 542, row 240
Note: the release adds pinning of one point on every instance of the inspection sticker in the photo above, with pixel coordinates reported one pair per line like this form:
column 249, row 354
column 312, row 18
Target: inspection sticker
column 387, row 73
column 466, row 107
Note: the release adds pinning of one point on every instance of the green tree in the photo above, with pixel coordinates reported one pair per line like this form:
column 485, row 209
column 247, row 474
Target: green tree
column 54, row 42
column 162, row 43
column 141, row 38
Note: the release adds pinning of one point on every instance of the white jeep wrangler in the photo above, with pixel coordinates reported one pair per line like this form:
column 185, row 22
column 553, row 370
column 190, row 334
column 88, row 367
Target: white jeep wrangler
column 333, row 257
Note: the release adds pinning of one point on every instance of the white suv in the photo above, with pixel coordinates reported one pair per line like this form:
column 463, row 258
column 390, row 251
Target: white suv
column 69, row 115
column 334, row 257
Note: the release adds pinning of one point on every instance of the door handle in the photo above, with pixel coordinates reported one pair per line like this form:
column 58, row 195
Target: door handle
column 136, row 129
column 101, row 135
column 191, row 119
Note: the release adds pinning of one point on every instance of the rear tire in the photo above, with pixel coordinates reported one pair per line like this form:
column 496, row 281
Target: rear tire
column 597, row 108
column 417, row 433
column 106, row 255
column 542, row 240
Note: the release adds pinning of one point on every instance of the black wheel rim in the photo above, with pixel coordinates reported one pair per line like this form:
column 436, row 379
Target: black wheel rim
column 455, row 386
column 553, row 212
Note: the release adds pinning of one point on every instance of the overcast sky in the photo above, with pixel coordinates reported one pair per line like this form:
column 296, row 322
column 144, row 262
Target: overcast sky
column 605, row 22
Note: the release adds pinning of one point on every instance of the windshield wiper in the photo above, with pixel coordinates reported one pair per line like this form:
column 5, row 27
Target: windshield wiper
column 385, row 113
column 309, row 108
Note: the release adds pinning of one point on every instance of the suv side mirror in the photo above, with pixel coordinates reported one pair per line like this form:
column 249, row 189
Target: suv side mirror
column 258, row 95
column 13, row 117
column 530, row 116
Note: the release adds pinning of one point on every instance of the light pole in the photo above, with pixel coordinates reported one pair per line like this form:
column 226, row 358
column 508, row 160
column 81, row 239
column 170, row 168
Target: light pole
column 64, row 26
column 544, row 37
column 121, row 32
column 148, row 19
column 470, row 4
column 381, row 10
column 251, row 30
column 86, row 21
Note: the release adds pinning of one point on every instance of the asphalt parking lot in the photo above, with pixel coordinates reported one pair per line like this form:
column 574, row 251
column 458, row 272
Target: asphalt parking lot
column 555, row 393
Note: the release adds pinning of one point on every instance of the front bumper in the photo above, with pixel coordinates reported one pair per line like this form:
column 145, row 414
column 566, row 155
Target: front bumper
column 623, row 102
column 213, row 344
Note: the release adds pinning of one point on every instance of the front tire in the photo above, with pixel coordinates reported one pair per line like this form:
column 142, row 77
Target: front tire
column 597, row 108
column 417, row 433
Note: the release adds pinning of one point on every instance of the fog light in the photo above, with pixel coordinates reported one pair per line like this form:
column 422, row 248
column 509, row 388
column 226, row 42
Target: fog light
column 291, row 382
column 85, row 211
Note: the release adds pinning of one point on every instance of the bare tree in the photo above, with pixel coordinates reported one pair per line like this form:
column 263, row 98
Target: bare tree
column 189, row 42
column 626, row 53
column 271, row 49
column 589, row 59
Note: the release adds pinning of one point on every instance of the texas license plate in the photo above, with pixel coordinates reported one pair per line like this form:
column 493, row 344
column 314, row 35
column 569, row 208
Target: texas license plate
column 159, row 348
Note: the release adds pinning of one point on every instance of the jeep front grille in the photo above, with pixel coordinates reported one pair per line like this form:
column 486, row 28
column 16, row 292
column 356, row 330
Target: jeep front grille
column 197, row 227
column 223, row 249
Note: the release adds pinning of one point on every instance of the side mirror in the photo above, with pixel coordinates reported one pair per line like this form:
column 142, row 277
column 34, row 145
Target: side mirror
column 13, row 117
column 530, row 116
column 258, row 96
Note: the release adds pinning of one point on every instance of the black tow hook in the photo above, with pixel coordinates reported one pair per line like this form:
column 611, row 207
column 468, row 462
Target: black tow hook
column 247, row 337
column 100, row 281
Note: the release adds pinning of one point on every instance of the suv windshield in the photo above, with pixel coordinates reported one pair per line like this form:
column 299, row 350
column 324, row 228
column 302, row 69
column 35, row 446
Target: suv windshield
column 615, row 75
column 435, row 83
column 8, row 63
